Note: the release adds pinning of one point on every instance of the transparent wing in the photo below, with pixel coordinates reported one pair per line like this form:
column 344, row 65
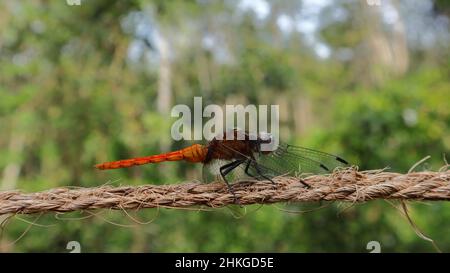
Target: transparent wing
column 211, row 172
column 254, row 169
column 292, row 161
column 303, row 160
column 285, row 160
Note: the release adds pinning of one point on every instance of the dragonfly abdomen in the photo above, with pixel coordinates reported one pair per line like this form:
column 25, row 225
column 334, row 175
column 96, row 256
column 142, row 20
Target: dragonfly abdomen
column 194, row 153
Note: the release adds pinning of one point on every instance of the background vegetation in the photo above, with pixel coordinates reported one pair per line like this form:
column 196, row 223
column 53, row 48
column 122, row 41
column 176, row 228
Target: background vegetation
column 85, row 84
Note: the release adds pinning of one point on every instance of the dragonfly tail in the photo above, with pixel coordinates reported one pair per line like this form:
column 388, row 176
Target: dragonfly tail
column 194, row 153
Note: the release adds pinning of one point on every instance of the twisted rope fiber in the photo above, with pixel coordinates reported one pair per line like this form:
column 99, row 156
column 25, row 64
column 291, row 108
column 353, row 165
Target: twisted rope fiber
column 347, row 185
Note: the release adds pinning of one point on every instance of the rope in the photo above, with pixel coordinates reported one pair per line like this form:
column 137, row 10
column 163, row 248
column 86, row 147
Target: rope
column 347, row 185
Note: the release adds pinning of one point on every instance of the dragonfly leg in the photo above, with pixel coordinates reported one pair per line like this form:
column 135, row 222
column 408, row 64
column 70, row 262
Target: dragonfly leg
column 304, row 183
column 246, row 169
column 258, row 170
column 225, row 169
column 247, row 166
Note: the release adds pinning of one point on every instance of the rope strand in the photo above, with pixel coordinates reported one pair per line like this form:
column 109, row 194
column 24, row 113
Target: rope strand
column 348, row 185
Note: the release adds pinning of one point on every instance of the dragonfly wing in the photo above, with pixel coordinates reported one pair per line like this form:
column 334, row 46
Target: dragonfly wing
column 264, row 167
column 211, row 172
column 294, row 160
column 309, row 160
column 285, row 160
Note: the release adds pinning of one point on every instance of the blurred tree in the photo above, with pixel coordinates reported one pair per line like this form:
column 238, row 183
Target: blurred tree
column 84, row 84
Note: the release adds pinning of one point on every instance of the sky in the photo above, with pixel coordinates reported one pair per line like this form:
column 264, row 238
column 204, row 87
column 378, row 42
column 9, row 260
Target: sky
column 423, row 28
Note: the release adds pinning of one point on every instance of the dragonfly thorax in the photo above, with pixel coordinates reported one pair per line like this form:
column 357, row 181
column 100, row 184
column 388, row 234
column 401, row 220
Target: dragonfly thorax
column 240, row 146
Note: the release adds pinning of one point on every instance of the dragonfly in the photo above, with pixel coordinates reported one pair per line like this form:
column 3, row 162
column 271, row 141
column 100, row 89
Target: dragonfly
column 241, row 156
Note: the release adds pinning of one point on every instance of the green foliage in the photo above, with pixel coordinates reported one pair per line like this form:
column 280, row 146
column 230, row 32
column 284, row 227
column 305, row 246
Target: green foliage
column 408, row 117
column 71, row 96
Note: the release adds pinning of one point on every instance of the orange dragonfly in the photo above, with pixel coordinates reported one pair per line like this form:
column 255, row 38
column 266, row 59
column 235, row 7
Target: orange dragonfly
column 231, row 159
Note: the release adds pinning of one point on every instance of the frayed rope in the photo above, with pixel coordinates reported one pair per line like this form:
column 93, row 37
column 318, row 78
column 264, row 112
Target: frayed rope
column 348, row 185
